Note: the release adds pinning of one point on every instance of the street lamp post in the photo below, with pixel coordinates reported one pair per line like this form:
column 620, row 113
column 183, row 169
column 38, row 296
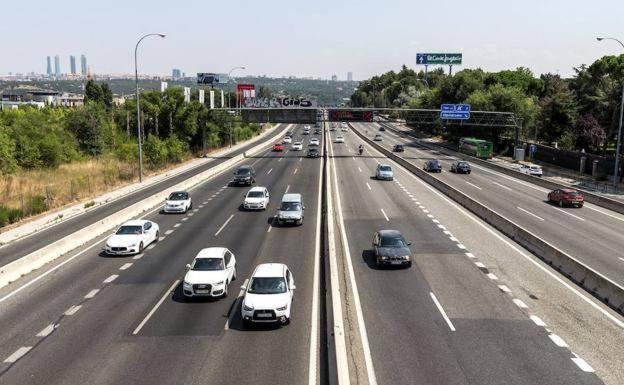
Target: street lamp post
column 136, row 80
column 232, row 70
column 619, row 135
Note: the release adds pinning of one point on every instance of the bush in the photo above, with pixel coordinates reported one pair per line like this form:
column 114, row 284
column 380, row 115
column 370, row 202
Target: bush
column 127, row 152
column 176, row 149
column 35, row 204
column 155, row 151
column 9, row 215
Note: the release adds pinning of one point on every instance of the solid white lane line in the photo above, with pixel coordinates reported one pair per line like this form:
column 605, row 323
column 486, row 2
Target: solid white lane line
column 474, row 185
column 92, row 293
column 530, row 213
column 384, row 214
column 287, row 188
column 570, row 214
column 177, row 225
column 151, row 313
column 502, row 186
column 125, row 266
column 367, row 185
column 138, row 256
column 558, row 341
column 233, row 312
column 519, row 303
column 537, row 320
column 295, row 171
column 605, row 213
column 454, row 239
column 442, row 227
column 47, row 330
column 583, row 365
column 268, row 172
column 168, row 231
column 225, row 224
column 72, row 310
column 504, row 288
column 19, row 353
column 111, row 278
column 441, row 310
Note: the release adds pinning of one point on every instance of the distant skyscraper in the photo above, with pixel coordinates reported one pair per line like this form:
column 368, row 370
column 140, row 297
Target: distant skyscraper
column 334, row 78
column 176, row 73
column 83, row 65
column 49, row 69
column 57, row 65
column 349, row 76
column 72, row 64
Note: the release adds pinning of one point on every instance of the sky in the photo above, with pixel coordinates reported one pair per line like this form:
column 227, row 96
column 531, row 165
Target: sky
column 316, row 38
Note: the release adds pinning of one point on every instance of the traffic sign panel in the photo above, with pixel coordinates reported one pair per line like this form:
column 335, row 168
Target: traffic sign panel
column 439, row 58
column 454, row 115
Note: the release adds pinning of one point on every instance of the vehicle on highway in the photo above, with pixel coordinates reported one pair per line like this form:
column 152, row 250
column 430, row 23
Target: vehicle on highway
column 257, row 198
column 210, row 273
column 378, row 138
column 343, row 124
column 268, row 295
column 278, row 147
column 306, row 130
column 313, row 152
column 382, row 128
column 567, row 197
column 339, row 139
column 178, row 202
column 390, row 248
column 432, row 165
column 460, row 167
column 132, row 237
column 297, row 146
column 384, row 172
column 333, row 127
column 398, row 148
column 314, row 142
column 532, row 169
column 476, row 147
column 344, row 129
column 287, row 139
column 245, row 175
column 291, row 210
column 317, row 131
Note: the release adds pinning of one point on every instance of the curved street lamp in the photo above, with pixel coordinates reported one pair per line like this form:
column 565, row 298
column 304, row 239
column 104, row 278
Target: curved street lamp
column 619, row 135
column 229, row 73
column 136, row 79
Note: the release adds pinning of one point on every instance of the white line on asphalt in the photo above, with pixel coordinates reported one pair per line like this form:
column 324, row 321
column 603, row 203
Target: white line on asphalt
column 47, row 330
column 271, row 225
column 417, row 202
column 201, row 206
column 149, row 315
column 605, row 213
column 177, row 225
column 295, row 171
column 480, row 265
column 621, row 259
column 359, row 169
column 504, row 288
column 453, row 239
column 111, row 278
column 492, row 276
column 125, row 266
column 442, row 227
column 583, row 365
column 225, row 224
column 558, row 341
column 72, row 310
column 461, row 246
column 184, row 219
column 209, row 199
column 429, row 216
column 435, row 221
column 503, row 186
column 474, row 185
column 280, row 159
column 384, row 214
column 168, row 231
column 19, row 353
column 92, row 293
column 138, row 256
column 353, row 157
column 448, row 233
column 519, row 303
column 470, row 255
column 205, row 203
column 287, row 188
column 153, row 244
column 268, row 172
column 421, row 207
column 191, row 214
column 537, row 320
column 301, row 159
column 570, row 214
column 230, row 318
column 446, row 318
column 530, row 213
column 367, row 185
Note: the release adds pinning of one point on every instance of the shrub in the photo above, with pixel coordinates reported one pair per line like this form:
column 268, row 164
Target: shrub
column 176, row 149
column 155, row 151
column 9, row 215
column 35, row 204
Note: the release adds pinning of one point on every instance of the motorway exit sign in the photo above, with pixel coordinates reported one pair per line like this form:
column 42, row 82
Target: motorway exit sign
column 455, row 111
column 439, row 58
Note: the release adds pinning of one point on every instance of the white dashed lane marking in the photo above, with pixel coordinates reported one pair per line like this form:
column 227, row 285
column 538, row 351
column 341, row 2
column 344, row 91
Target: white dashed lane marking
column 92, row 293
column 537, row 320
column 504, row 289
column 168, row 231
column 125, row 266
column 558, row 341
column 441, row 310
column 530, row 213
column 583, row 365
column 225, row 224
column 111, row 278
column 519, row 303
column 72, row 310
column 47, row 330
column 367, row 185
column 19, row 353
column 384, row 214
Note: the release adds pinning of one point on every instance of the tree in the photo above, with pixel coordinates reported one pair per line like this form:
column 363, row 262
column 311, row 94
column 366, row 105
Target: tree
column 558, row 108
column 588, row 132
column 93, row 92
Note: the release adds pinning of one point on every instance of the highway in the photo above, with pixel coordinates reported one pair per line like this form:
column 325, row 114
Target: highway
column 591, row 234
column 109, row 337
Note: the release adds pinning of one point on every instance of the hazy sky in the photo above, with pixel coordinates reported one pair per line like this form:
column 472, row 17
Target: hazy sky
column 307, row 38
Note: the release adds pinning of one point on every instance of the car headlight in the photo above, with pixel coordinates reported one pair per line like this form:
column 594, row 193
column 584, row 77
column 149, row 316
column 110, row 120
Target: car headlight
column 218, row 283
column 282, row 308
column 133, row 245
column 186, row 285
column 384, row 258
column 247, row 308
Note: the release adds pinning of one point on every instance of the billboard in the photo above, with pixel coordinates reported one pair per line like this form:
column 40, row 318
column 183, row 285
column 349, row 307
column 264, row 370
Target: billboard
column 279, row 102
column 439, row 58
column 244, row 91
column 207, row 78
column 350, row 116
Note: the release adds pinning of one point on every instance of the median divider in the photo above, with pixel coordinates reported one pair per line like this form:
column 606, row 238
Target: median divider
column 35, row 260
column 592, row 281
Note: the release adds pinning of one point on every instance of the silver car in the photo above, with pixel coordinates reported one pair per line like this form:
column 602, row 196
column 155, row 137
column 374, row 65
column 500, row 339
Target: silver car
column 384, row 172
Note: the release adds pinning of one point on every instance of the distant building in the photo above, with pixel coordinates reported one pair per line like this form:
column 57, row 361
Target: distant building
column 349, row 76
column 39, row 98
column 57, row 65
column 334, row 78
column 83, row 65
column 49, row 69
column 72, row 64
column 176, row 73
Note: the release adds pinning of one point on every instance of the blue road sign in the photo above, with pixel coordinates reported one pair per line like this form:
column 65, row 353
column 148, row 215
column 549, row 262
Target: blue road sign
column 455, row 111
column 532, row 148
column 421, row 58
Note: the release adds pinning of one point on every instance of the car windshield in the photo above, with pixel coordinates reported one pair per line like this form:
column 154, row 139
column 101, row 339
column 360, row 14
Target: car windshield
column 435, row 163
column 208, row 264
column 178, row 196
column 462, row 164
column 392, row 242
column 535, row 167
column 128, row 230
column 267, row 285
column 255, row 194
column 243, row 171
column 297, row 143
column 290, row 206
column 385, row 168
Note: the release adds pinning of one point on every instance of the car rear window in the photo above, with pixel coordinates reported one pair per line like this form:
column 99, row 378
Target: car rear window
column 178, row 196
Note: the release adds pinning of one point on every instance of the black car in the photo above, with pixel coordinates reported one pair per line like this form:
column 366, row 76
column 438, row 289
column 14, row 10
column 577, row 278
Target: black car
column 460, row 167
column 382, row 128
column 433, row 165
column 313, row 153
column 391, row 249
column 317, row 131
column 398, row 148
column 245, row 175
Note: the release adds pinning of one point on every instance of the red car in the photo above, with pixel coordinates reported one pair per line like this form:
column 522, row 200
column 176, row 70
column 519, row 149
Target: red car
column 566, row 197
column 278, row 147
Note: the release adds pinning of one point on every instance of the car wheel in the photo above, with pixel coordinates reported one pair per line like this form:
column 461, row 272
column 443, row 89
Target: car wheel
column 468, row 172
column 225, row 291
column 140, row 247
column 409, row 264
column 580, row 205
column 157, row 238
column 560, row 203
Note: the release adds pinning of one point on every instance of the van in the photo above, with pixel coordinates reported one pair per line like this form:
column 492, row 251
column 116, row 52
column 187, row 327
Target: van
column 291, row 210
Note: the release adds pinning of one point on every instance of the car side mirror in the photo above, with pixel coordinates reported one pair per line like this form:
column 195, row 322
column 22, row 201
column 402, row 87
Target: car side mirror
column 188, row 265
column 409, row 243
column 293, row 287
column 243, row 287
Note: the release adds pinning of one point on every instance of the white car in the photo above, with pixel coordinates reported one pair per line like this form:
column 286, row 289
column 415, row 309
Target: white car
column 212, row 270
column 339, row 139
column 344, row 129
column 178, row 202
column 343, row 125
column 256, row 198
column 314, row 142
column 268, row 295
column 384, row 172
column 297, row 146
column 132, row 237
column 531, row 169
column 287, row 139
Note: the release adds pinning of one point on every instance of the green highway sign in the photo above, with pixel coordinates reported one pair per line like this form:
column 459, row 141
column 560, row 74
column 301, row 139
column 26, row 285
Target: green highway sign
column 439, row 58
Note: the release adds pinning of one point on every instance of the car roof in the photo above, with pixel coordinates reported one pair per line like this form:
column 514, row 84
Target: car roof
column 291, row 197
column 257, row 188
column 135, row 222
column 269, row 270
column 211, row 252
column 569, row 190
column 245, row 167
column 390, row 233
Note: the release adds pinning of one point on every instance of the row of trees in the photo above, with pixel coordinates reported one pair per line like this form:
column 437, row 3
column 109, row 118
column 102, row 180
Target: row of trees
column 577, row 113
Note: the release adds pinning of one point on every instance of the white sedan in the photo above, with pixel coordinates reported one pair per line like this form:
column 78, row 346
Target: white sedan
column 531, row 169
column 297, row 146
column 287, row 139
column 132, row 237
column 178, row 202
column 339, row 139
column 212, row 270
column 268, row 295
column 256, row 198
column 314, row 142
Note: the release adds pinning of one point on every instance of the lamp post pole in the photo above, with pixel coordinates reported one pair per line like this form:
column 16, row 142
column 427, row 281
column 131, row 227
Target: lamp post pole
column 232, row 70
column 136, row 80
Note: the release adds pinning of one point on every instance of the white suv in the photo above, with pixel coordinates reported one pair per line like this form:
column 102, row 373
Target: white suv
column 268, row 295
column 210, row 273
column 256, row 198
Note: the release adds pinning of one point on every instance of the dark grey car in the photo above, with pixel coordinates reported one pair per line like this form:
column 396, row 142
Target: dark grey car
column 391, row 249
column 460, row 167
column 433, row 165
column 245, row 175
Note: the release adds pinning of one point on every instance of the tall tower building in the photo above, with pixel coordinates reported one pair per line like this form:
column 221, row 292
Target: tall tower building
column 57, row 65
column 83, row 65
column 49, row 68
column 349, row 76
column 72, row 64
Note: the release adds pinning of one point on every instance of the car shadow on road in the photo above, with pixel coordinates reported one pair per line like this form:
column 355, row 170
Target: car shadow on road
column 369, row 257
column 103, row 254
